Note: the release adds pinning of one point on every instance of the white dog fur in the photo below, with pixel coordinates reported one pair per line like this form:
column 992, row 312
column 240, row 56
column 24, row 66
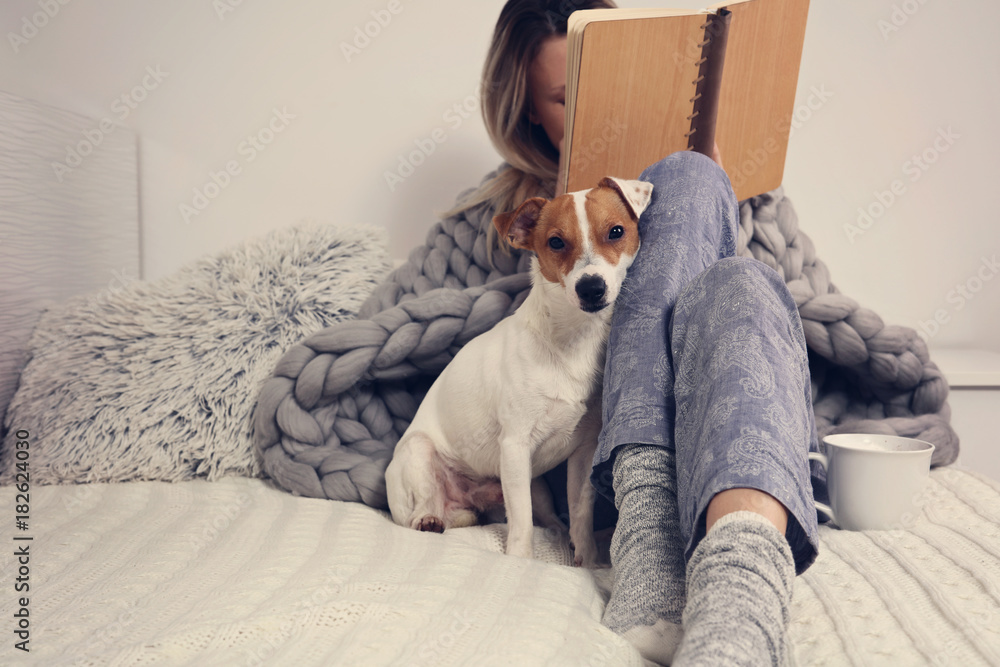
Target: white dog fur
column 521, row 398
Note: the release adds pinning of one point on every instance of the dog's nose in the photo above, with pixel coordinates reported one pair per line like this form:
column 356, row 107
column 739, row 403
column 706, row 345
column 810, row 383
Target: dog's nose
column 591, row 290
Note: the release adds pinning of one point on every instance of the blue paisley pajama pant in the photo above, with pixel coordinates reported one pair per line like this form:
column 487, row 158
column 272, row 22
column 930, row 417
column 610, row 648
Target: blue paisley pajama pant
column 707, row 357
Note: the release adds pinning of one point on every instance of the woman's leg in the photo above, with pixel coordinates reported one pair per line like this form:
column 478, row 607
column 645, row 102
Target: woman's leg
column 744, row 421
column 744, row 425
column 689, row 225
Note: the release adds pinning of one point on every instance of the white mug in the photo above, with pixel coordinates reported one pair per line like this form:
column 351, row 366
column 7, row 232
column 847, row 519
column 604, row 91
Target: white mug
column 874, row 481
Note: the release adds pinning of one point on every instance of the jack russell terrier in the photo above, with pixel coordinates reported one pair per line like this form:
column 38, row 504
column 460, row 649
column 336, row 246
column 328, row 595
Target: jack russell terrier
column 521, row 398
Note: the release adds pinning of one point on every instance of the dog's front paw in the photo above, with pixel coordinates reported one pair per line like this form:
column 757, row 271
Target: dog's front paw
column 588, row 556
column 431, row 524
column 593, row 563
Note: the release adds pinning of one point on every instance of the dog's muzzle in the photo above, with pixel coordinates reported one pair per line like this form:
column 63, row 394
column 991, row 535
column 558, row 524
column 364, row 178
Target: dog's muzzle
column 592, row 291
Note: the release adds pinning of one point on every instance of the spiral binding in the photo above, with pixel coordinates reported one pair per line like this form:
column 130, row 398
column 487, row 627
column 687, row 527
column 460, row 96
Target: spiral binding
column 696, row 83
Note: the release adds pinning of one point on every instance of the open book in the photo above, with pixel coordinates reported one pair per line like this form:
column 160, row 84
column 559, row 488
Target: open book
column 644, row 83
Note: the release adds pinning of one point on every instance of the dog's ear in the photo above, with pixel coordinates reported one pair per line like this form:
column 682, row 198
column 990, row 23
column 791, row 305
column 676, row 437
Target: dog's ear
column 516, row 226
column 635, row 194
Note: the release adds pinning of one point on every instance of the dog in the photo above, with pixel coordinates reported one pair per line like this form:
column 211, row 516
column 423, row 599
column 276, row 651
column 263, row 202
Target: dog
column 521, row 398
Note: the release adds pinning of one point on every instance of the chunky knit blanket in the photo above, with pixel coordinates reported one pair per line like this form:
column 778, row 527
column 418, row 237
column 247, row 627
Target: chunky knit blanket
column 327, row 421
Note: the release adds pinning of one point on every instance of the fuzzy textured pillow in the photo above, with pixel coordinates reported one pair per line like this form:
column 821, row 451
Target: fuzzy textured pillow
column 158, row 381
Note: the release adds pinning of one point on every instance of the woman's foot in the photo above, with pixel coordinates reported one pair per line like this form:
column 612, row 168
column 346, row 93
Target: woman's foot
column 739, row 586
column 647, row 553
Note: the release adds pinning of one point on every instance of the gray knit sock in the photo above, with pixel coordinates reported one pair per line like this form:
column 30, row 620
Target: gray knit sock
column 739, row 586
column 647, row 554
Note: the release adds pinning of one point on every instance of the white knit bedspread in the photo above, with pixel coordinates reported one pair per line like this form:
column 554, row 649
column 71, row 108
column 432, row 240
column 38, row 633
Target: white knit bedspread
column 237, row 573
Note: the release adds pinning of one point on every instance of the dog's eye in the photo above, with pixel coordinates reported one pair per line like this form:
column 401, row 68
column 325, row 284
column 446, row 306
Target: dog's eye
column 616, row 232
column 556, row 243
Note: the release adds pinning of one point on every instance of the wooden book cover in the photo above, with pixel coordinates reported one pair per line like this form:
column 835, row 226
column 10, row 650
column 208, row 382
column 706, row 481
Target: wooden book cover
column 636, row 82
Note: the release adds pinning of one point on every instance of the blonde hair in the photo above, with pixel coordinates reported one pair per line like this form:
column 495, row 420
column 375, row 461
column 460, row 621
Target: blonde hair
column 505, row 103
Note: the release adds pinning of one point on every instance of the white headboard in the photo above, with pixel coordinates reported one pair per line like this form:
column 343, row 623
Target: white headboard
column 69, row 217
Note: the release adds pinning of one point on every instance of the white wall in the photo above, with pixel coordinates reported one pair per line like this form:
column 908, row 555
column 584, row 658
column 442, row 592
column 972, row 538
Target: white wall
column 886, row 98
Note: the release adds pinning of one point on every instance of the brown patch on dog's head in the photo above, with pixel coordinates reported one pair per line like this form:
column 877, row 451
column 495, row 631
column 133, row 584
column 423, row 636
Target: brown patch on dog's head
column 549, row 229
column 590, row 225
column 613, row 226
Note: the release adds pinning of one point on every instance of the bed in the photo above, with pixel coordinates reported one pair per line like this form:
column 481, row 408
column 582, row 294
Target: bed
column 147, row 532
column 238, row 572
column 207, row 562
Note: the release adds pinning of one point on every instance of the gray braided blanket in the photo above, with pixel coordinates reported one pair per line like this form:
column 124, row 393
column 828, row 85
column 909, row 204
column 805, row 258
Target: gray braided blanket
column 326, row 423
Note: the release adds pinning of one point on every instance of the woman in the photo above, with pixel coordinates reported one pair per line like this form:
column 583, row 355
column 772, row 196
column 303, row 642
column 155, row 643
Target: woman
column 708, row 417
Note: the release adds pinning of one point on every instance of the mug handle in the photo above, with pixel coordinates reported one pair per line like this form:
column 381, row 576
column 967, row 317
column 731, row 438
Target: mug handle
column 823, row 461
